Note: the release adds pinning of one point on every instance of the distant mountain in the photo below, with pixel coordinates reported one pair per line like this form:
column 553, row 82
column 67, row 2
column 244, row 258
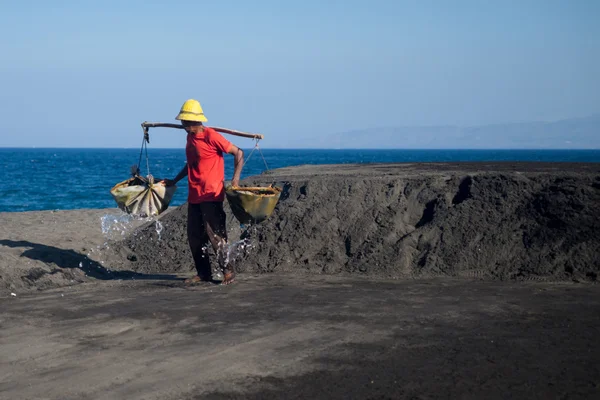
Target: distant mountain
column 575, row 133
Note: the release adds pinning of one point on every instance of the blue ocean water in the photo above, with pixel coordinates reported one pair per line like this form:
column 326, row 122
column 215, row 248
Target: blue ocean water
column 51, row 179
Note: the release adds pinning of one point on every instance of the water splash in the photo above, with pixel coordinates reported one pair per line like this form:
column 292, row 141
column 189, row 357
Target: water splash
column 159, row 228
column 229, row 252
column 118, row 225
column 235, row 250
column 115, row 224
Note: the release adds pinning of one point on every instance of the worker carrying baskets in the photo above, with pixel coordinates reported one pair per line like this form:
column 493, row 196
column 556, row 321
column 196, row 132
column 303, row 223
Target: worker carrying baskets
column 205, row 170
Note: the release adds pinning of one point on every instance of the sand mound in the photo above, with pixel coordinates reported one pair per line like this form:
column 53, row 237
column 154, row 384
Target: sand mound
column 46, row 249
column 499, row 221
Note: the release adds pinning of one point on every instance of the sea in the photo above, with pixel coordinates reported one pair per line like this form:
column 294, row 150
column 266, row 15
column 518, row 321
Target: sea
column 63, row 179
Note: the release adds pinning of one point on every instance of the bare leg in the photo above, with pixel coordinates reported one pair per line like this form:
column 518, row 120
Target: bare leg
column 214, row 225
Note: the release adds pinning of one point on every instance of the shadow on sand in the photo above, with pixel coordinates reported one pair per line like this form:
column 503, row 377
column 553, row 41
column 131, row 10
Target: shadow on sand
column 72, row 259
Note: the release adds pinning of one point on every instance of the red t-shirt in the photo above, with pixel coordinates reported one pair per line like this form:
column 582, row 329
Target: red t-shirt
column 206, row 167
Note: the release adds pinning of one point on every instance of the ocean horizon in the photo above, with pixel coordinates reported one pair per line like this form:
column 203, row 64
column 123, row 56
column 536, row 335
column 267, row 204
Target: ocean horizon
column 316, row 148
column 75, row 178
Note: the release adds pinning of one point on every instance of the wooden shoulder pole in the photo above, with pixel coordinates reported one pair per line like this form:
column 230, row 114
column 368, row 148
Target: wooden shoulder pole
column 146, row 125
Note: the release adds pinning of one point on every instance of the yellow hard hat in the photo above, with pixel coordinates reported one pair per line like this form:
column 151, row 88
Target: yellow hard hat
column 191, row 110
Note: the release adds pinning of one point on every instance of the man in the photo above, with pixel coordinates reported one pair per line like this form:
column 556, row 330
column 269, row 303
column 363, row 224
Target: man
column 205, row 170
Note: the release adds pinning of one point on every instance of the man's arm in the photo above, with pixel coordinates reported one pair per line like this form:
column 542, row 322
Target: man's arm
column 238, row 163
column 183, row 173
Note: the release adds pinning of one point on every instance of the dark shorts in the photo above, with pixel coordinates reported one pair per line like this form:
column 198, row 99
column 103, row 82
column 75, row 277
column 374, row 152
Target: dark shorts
column 207, row 224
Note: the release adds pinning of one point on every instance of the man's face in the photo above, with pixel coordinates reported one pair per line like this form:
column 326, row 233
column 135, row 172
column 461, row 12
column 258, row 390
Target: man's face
column 189, row 125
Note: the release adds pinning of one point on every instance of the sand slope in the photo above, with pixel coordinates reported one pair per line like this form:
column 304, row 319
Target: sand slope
column 498, row 221
column 46, row 249
column 518, row 221
column 43, row 249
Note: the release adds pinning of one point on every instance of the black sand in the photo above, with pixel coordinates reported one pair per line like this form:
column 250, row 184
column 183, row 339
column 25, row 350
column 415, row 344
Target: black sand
column 291, row 337
column 366, row 283
column 506, row 221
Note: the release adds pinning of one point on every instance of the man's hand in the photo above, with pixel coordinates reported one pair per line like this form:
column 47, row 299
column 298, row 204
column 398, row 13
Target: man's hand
column 168, row 182
column 235, row 183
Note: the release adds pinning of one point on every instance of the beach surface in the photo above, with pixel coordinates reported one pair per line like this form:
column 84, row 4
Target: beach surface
column 47, row 249
column 286, row 336
column 358, row 286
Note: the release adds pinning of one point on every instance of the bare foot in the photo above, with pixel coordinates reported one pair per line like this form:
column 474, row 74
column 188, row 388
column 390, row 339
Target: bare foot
column 194, row 279
column 228, row 278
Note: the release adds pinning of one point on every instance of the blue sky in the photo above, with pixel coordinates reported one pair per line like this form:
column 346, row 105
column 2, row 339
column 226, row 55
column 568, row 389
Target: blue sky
column 87, row 73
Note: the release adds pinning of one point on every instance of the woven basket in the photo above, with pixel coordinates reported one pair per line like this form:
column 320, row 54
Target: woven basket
column 252, row 204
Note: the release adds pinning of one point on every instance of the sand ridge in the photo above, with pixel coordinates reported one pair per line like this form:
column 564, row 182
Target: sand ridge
column 499, row 221
column 506, row 221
